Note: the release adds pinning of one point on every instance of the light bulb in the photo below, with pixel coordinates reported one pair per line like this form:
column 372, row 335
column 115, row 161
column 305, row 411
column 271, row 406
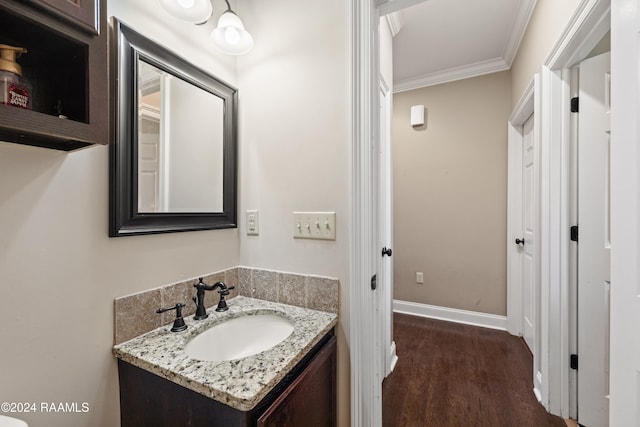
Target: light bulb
column 187, row 4
column 232, row 35
column 192, row 11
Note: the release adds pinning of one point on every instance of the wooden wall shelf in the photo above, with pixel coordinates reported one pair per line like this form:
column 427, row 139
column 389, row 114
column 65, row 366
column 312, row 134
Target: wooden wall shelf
column 66, row 65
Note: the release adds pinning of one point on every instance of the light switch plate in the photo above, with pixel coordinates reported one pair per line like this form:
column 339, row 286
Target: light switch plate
column 314, row 225
column 253, row 223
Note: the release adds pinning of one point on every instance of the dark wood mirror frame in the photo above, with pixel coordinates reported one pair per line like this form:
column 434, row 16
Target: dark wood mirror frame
column 127, row 46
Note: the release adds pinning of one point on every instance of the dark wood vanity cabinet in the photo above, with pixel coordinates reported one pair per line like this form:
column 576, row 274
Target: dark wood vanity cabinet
column 310, row 400
column 306, row 397
column 66, row 66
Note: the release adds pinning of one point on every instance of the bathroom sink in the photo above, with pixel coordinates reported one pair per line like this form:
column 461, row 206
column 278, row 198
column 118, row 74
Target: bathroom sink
column 239, row 337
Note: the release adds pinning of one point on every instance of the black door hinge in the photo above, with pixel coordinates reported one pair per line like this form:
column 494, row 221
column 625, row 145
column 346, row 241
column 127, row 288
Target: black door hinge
column 574, row 361
column 374, row 283
column 575, row 104
column 574, row 233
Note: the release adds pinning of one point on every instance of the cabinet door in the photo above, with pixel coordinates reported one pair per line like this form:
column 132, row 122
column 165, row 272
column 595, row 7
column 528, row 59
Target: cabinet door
column 310, row 400
column 81, row 12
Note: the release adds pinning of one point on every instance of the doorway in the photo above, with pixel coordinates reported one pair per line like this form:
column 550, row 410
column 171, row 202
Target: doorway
column 588, row 24
column 554, row 380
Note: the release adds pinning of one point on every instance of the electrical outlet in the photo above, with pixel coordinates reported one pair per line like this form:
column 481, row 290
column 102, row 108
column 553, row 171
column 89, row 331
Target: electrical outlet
column 253, row 223
column 314, row 225
column 420, row 278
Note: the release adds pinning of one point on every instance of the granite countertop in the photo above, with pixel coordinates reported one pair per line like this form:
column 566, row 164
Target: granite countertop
column 241, row 383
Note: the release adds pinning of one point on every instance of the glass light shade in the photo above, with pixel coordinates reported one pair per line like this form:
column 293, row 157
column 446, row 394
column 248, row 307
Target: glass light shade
column 192, row 11
column 230, row 36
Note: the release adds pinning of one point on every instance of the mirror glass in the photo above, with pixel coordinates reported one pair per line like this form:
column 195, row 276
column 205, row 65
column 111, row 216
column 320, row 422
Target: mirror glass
column 180, row 144
column 173, row 158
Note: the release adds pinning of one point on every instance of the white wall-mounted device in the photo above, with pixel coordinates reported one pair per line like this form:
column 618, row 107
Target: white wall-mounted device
column 417, row 115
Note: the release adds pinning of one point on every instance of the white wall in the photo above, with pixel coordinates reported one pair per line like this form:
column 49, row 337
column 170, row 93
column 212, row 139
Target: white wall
column 295, row 154
column 195, row 145
column 59, row 270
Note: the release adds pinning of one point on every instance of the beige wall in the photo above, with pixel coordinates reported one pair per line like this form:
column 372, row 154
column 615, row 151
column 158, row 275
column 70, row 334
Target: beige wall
column 295, row 151
column 60, row 272
column 450, row 186
column 549, row 19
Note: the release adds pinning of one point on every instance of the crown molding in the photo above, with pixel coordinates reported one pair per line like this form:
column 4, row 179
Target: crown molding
column 452, row 74
column 395, row 21
column 494, row 65
column 389, row 6
column 517, row 31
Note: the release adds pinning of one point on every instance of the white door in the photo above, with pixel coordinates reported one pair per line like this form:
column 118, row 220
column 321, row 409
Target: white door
column 594, row 245
column 385, row 290
column 625, row 213
column 148, row 162
column 527, row 241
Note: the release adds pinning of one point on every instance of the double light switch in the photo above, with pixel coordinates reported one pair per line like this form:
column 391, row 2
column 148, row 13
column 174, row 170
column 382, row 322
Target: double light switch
column 314, row 225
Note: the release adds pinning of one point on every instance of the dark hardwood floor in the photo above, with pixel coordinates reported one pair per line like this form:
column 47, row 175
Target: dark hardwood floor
column 454, row 375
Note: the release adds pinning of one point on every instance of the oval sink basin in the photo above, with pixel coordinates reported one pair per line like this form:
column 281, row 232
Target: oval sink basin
column 239, row 337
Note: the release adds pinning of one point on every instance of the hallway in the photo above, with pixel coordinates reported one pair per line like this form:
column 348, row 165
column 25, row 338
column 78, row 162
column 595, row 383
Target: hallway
column 453, row 375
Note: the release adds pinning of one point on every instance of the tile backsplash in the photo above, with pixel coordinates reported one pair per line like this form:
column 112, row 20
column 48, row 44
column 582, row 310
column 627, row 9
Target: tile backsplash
column 315, row 292
column 136, row 314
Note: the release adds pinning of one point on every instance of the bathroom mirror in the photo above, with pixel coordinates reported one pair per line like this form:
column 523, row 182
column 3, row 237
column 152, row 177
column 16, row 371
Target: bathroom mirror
column 173, row 157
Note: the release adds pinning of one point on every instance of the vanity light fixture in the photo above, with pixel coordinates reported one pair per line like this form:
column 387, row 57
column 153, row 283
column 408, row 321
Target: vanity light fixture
column 229, row 36
column 192, row 11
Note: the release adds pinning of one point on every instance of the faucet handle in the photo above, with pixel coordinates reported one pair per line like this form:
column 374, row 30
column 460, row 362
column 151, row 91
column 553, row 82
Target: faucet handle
column 225, row 290
column 178, row 324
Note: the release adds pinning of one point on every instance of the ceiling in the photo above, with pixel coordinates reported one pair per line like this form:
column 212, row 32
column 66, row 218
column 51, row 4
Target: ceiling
column 438, row 41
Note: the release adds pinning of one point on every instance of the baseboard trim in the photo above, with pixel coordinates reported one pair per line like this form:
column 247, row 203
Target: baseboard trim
column 537, row 394
column 393, row 357
column 474, row 318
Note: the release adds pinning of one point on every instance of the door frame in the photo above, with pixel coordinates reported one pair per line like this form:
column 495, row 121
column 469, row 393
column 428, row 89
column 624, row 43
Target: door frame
column 365, row 333
column 366, row 375
column 589, row 22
